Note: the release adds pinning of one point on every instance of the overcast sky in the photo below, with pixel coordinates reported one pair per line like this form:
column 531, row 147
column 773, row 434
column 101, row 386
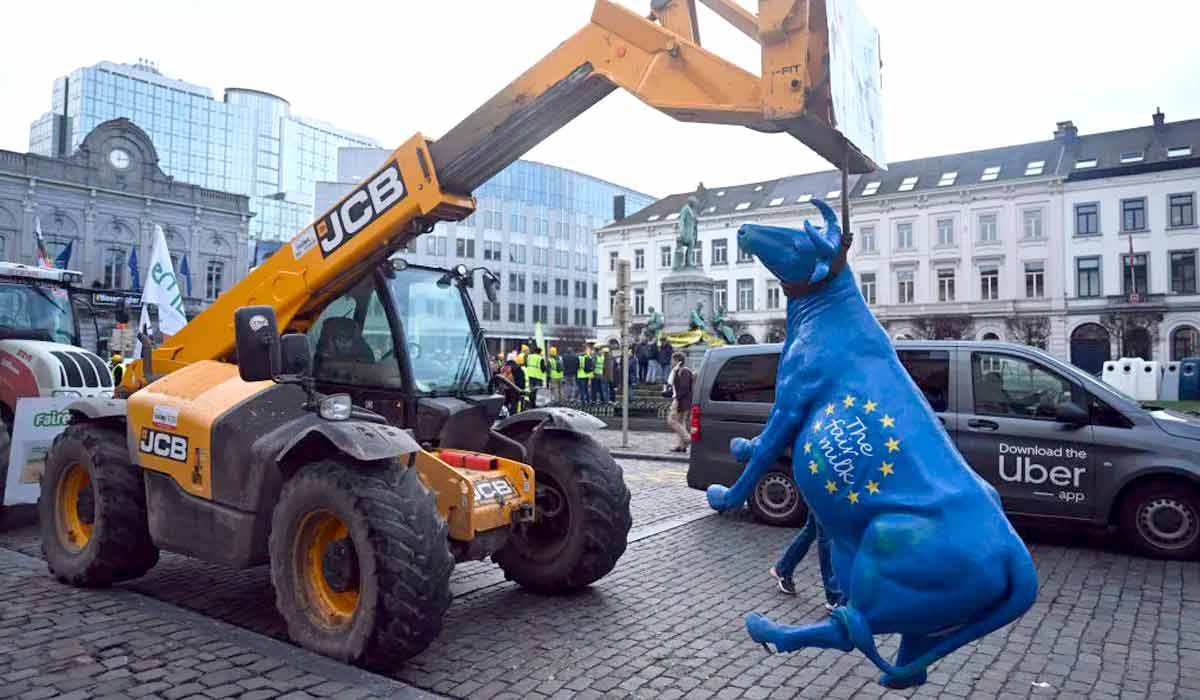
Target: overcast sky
column 958, row 75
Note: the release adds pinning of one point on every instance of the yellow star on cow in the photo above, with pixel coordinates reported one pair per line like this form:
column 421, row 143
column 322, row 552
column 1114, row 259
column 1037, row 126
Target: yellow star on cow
column 872, row 487
column 829, row 410
column 812, row 467
column 848, row 401
column 816, row 426
column 887, row 469
column 887, row 421
column 869, row 406
column 807, row 447
column 852, row 496
column 893, row 445
column 830, row 487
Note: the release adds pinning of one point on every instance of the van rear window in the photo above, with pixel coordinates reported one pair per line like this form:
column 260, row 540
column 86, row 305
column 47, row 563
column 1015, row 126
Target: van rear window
column 749, row 378
column 930, row 369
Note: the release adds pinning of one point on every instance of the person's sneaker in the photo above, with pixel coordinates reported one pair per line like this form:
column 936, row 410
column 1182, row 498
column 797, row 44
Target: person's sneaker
column 832, row 606
column 786, row 584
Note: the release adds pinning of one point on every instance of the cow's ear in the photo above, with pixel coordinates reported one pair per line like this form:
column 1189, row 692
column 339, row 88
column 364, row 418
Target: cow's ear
column 819, row 272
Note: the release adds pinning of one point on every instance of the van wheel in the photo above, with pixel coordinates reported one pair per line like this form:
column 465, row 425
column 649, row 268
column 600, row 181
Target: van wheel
column 776, row 499
column 1161, row 519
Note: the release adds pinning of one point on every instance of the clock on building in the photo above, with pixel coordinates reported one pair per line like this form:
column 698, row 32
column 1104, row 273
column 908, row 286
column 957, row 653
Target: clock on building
column 119, row 158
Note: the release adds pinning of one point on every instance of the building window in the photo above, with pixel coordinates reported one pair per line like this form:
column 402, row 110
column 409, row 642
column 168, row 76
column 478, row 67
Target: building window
column 1137, row 273
column 1087, row 277
column 866, row 283
column 744, row 255
column 1181, row 209
column 639, row 301
column 904, row 236
column 697, row 256
column 1184, row 343
column 1035, row 280
column 1183, row 272
column 491, row 250
column 516, row 253
column 1133, row 214
column 639, row 259
column 214, row 279
column 491, row 311
column 612, row 261
column 721, row 294
column 720, row 251
column 945, row 229
column 867, row 239
column 989, row 283
column 516, row 313
column 1032, row 220
column 1087, row 219
column 773, row 297
column 945, row 280
column 114, row 268
column 745, row 295
column 664, row 257
column 464, row 248
column 904, row 286
column 987, row 228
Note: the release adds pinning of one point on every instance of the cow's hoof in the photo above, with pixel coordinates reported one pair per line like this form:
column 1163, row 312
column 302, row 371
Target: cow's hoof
column 894, row 682
column 762, row 630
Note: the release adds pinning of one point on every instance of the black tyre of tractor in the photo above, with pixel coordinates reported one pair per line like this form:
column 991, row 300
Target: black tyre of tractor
column 5, row 448
column 582, row 517
column 360, row 562
column 92, row 509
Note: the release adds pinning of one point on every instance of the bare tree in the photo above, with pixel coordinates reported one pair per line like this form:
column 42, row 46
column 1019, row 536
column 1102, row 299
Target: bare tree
column 569, row 336
column 1127, row 326
column 943, row 327
column 776, row 331
column 1030, row 330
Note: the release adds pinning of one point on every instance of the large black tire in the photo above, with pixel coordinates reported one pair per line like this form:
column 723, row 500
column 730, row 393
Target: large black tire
column 776, row 500
column 582, row 522
column 5, row 449
column 395, row 544
column 111, row 504
column 1160, row 518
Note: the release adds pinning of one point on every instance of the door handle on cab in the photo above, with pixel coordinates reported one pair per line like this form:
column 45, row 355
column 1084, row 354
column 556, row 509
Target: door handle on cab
column 980, row 424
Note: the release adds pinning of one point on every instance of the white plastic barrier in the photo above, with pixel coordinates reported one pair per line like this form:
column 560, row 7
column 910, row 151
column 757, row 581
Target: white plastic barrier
column 1122, row 374
column 1146, row 384
column 1168, row 382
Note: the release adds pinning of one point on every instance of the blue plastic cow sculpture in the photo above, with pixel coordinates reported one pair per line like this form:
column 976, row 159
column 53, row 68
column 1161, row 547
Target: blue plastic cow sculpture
column 919, row 541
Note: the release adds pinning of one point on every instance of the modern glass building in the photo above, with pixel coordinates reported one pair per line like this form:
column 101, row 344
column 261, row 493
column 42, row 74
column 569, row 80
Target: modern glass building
column 250, row 143
column 535, row 226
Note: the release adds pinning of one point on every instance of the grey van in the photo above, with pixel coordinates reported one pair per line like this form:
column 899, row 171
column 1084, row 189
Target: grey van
column 1054, row 441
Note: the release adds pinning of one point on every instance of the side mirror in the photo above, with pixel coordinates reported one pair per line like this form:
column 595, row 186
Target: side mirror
column 295, row 354
column 257, row 341
column 1070, row 413
column 491, row 285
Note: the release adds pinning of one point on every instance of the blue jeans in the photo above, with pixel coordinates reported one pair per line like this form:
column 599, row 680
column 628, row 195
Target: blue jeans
column 652, row 372
column 581, row 390
column 786, row 566
column 600, row 390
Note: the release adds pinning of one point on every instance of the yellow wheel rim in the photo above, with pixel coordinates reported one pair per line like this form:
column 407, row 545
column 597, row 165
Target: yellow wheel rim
column 318, row 531
column 73, row 531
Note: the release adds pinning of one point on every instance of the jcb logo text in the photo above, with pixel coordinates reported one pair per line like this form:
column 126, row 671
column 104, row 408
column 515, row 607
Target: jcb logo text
column 160, row 444
column 363, row 206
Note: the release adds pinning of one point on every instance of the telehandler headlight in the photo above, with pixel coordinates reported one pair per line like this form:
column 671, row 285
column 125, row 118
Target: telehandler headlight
column 335, row 407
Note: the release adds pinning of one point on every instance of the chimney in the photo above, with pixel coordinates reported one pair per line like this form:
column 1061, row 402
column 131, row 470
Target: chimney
column 1159, row 118
column 618, row 207
column 1066, row 132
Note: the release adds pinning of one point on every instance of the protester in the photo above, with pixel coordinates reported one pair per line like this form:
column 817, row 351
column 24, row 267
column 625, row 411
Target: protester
column 665, row 350
column 512, row 371
column 604, row 377
column 680, row 381
column 583, row 376
column 784, row 569
column 570, row 369
column 643, row 365
column 635, row 366
column 535, row 368
column 555, row 369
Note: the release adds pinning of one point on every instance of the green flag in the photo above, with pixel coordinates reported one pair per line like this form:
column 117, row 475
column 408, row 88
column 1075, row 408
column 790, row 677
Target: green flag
column 539, row 337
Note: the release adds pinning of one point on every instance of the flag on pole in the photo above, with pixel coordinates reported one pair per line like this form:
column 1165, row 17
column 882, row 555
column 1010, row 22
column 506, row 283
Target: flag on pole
column 63, row 261
column 186, row 274
column 135, row 277
column 162, row 289
column 538, row 337
column 43, row 258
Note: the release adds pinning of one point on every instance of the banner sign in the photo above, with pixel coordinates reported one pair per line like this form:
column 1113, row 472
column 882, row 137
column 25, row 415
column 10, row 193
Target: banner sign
column 38, row 421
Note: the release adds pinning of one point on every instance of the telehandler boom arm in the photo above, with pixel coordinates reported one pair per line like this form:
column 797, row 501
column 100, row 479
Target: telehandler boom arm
column 658, row 59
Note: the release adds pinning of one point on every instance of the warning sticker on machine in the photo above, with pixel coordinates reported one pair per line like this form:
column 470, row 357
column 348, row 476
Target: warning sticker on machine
column 165, row 416
column 304, row 242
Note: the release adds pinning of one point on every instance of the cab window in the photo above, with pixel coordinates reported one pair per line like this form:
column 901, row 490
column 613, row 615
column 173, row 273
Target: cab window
column 748, row 378
column 353, row 341
column 1005, row 385
column 930, row 369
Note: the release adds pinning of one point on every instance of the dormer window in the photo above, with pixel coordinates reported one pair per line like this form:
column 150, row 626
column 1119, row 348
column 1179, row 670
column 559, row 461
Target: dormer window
column 673, row 216
column 804, row 199
column 1035, row 167
column 990, row 173
column 833, row 194
column 758, row 188
column 870, row 188
column 907, row 184
column 742, row 207
column 775, row 202
column 653, row 217
column 1085, row 163
column 1133, row 157
column 947, row 179
column 1179, row 151
column 721, row 193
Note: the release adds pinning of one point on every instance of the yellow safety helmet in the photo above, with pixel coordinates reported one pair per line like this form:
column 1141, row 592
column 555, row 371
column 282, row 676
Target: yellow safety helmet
column 116, row 357
column 524, row 349
column 521, row 359
column 553, row 351
column 500, row 356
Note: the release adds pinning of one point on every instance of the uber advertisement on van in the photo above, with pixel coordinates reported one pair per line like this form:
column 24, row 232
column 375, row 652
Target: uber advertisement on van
column 1059, row 474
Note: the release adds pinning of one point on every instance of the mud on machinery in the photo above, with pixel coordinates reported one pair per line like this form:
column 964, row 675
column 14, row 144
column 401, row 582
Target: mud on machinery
column 362, row 478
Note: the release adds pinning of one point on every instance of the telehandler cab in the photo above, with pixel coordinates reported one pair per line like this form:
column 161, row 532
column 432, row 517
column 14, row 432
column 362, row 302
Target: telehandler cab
column 360, row 454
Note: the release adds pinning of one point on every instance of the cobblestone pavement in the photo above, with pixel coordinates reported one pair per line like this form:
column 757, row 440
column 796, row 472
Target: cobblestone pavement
column 666, row 623
column 62, row 642
column 650, row 442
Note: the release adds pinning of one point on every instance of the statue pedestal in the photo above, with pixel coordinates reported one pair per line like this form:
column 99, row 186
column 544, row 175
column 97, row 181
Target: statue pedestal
column 681, row 291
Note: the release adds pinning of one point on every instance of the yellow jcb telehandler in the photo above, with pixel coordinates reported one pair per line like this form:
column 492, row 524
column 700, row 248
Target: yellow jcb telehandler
column 360, row 454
